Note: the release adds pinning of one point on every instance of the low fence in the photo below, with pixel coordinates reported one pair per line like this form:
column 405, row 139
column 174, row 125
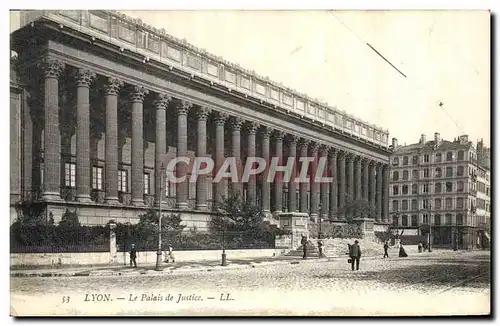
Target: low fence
column 59, row 240
column 143, row 257
column 337, row 231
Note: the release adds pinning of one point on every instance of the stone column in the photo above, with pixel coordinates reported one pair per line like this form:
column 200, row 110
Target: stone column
column 278, row 178
column 252, row 184
column 83, row 78
column 324, row 186
column 350, row 176
column 266, row 189
column 333, row 185
column 292, row 185
column 379, row 193
column 201, row 151
column 303, row 143
column 385, row 206
column 357, row 188
column 373, row 184
column 112, row 89
column 137, row 98
column 220, row 187
column 112, row 242
column 52, row 69
column 342, row 182
column 183, row 108
column 161, row 104
column 366, row 179
column 236, row 123
column 314, row 185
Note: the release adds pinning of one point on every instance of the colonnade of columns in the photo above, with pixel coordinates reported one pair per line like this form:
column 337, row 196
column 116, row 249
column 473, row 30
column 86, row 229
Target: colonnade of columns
column 354, row 177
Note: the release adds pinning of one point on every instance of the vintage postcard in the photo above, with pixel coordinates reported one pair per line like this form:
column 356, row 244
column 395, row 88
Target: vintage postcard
column 250, row 163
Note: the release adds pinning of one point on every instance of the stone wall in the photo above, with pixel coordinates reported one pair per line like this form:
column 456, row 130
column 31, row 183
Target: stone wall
column 335, row 230
column 145, row 257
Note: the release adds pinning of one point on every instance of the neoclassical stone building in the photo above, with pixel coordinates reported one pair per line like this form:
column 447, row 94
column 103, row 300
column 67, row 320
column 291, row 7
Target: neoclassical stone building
column 98, row 99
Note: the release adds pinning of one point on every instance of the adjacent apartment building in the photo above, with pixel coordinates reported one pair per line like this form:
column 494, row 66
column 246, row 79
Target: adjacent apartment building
column 433, row 185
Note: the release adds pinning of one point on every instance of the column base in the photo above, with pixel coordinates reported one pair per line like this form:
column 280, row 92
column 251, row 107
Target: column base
column 83, row 198
column 112, row 200
column 181, row 206
column 201, row 207
column 137, row 202
column 51, row 196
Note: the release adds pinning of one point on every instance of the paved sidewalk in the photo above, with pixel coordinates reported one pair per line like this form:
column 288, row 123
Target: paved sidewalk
column 182, row 266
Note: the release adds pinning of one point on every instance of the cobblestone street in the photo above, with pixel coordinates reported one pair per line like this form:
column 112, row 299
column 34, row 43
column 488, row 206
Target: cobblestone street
column 448, row 283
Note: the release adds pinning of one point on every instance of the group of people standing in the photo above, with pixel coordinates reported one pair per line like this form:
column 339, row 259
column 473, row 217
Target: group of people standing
column 169, row 255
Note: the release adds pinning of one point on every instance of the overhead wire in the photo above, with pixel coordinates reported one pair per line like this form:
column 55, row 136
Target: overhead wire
column 415, row 86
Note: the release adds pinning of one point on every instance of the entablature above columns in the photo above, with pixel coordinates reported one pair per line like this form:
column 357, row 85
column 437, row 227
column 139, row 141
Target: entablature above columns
column 161, row 84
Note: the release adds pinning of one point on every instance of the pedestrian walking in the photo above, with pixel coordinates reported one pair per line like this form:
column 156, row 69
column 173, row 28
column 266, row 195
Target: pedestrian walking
column 386, row 247
column 320, row 248
column 420, row 247
column 304, row 246
column 355, row 254
column 133, row 256
column 169, row 256
column 402, row 252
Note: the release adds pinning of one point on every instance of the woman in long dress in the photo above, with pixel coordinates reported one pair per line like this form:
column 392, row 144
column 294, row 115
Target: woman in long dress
column 402, row 252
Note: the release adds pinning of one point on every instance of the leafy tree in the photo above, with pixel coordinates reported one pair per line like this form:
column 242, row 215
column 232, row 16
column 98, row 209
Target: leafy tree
column 357, row 208
column 145, row 232
column 242, row 221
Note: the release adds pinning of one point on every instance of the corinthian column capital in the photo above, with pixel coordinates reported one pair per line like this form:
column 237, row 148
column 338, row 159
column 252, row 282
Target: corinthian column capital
column 51, row 67
column 138, row 94
column 161, row 101
column 203, row 112
column 252, row 127
column 84, row 77
column 113, row 86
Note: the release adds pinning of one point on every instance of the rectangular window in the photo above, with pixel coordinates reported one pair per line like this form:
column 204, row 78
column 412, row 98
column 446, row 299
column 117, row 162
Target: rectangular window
column 97, row 177
column 425, row 219
column 404, row 205
column 414, row 204
column 449, row 172
column 425, row 188
column 414, row 221
column 123, row 180
column 448, row 203
column 405, row 160
column 395, row 190
column 437, row 203
column 70, row 174
column 438, row 157
column 425, row 203
column 414, row 160
column 405, row 189
column 405, row 175
column 426, row 173
column 146, row 183
column 426, row 158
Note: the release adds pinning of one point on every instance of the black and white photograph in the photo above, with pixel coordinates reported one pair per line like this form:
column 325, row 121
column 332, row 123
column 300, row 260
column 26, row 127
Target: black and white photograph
column 250, row 163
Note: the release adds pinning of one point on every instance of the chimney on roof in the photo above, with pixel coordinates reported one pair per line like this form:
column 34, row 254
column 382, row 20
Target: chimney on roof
column 437, row 138
column 463, row 139
column 394, row 143
column 423, row 140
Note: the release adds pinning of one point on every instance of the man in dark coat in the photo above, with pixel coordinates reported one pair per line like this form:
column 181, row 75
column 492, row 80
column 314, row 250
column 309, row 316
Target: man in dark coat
column 304, row 246
column 355, row 254
column 386, row 247
column 133, row 256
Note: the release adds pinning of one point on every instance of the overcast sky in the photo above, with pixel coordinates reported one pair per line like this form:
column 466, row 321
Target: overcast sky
column 444, row 54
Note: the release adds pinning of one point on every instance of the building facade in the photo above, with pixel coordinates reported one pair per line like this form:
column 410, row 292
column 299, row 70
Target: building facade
column 483, row 199
column 434, row 183
column 98, row 100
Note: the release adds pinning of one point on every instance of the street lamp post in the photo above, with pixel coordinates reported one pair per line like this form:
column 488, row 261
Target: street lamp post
column 159, row 252
column 223, row 256
column 430, row 227
column 320, row 233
